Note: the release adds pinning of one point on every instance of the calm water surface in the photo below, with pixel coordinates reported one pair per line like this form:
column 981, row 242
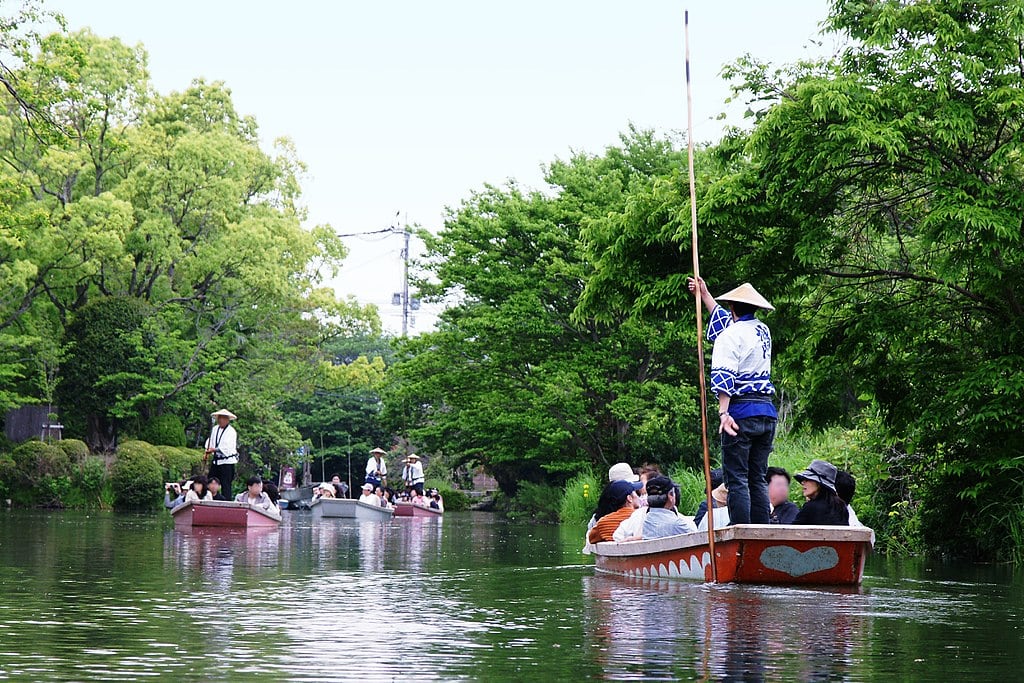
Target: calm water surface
column 119, row 597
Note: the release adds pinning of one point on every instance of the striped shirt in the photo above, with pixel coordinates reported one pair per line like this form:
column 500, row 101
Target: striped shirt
column 741, row 363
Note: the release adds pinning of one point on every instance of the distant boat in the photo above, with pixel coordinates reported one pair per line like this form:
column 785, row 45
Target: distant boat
column 297, row 495
column 411, row 510
column 334, row 507
column 225, row 514
column 370, row 512
column 746, row 553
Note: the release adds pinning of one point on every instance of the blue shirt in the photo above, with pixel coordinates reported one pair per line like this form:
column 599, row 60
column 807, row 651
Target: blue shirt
column 741, row 363
column 664, row 522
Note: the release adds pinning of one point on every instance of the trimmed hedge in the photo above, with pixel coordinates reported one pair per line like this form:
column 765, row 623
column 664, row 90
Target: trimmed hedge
column 76, row 450
column 164, row 430
column 177, row 462
column 137, row 476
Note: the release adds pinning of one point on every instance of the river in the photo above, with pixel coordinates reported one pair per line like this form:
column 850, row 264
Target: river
column 103, row 596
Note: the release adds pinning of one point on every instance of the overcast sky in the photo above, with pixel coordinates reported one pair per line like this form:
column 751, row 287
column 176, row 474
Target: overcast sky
column 407, row 106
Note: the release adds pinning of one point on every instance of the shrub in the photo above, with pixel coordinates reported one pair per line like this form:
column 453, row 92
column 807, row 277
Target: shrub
column 36, row 459
column 163, row 430
column 454, row 499
column 76, row 450
column 136, row 477
column 536, row 502
column 179, row 461
column 8, row 475
column 579, row 499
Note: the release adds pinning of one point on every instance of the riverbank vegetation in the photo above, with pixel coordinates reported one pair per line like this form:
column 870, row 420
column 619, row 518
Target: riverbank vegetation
column 156, row 267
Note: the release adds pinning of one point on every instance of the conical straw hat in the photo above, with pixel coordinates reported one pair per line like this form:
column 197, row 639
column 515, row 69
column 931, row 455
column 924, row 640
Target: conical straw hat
column 746, row 294
column 224, row 413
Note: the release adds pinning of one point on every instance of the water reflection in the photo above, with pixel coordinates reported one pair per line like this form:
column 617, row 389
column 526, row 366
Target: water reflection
column 464, row 598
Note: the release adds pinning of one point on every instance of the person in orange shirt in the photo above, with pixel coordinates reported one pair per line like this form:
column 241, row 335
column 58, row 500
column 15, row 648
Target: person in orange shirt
column 616, row 504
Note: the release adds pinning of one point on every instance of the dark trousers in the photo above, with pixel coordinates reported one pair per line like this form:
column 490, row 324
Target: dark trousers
column 225, row 474
column 744, row 464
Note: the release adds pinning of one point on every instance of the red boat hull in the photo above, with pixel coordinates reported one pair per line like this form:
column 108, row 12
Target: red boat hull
column 410, row 510
column 223, row 514
column 749, row 553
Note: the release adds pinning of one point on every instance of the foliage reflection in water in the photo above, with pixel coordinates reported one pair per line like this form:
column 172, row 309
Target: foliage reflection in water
column 105, row 597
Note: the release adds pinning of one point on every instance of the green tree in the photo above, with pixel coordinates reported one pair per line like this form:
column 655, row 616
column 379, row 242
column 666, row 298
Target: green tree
column 516, row 377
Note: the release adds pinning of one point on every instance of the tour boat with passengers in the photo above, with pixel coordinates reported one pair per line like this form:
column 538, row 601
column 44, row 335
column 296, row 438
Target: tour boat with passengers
column 407, row 509
column 746, row 553
column 223, row 513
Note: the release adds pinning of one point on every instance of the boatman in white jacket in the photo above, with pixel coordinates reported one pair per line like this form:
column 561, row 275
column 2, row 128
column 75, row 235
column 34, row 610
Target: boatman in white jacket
column 376, row 468
column 741, row 377
column 222, row 449
column 412, row 474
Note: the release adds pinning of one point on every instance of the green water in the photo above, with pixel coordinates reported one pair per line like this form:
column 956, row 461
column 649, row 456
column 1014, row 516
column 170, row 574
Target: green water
column 119, row 597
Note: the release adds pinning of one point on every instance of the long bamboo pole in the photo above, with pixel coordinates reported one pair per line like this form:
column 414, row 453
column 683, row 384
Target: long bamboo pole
column 700, row 312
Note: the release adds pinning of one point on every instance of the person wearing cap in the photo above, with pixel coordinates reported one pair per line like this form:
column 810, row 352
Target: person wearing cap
column 783, row 511
column 222, row 448
column 824, row 507
column 376, row 468
column 662, row 518
column 741, row 377
column 412, row 474
column 436, row 500
column 368, row 496
column 616, row 504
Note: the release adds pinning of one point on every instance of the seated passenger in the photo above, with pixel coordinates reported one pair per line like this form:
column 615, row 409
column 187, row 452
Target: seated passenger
column 846, row 487
column 716, row 480
column 417, row 498
column 325, row 490
column 270, row 488
column 215, row 490
column 620, row 471
column 436, row 501
column 783, row 511
column 823, row 507
column 616, row 504
column 662, row 518
column 179, row 497
column 199, row 491
column 720, row 498
column 254, row 495
column 368, row 497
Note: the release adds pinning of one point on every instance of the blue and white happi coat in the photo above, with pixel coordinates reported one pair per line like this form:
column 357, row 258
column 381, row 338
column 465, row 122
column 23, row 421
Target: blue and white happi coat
column 741, row 362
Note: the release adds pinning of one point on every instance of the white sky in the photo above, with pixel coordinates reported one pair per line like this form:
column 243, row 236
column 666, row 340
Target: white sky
column 406, row 106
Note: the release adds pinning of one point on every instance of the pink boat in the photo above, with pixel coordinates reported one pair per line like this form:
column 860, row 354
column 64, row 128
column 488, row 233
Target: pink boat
column 411, row 510
column 224, row 514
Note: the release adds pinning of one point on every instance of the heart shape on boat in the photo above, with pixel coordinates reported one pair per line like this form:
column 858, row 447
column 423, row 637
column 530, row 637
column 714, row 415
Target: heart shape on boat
column 783, row 558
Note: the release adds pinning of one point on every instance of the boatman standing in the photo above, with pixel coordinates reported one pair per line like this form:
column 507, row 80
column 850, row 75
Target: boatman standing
column 412, row 473
column 376, row 468
column 222, row 448
column 741, row 377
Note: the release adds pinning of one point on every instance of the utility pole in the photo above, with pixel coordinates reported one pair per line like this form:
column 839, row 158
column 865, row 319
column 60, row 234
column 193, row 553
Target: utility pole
column 405, row 279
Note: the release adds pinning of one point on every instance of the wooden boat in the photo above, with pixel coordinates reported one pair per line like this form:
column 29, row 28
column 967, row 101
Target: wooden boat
column 369, row 512
column 224, row 513
column 334, row 507
column 297, row 495
column 747, row 553
column 411, row 510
